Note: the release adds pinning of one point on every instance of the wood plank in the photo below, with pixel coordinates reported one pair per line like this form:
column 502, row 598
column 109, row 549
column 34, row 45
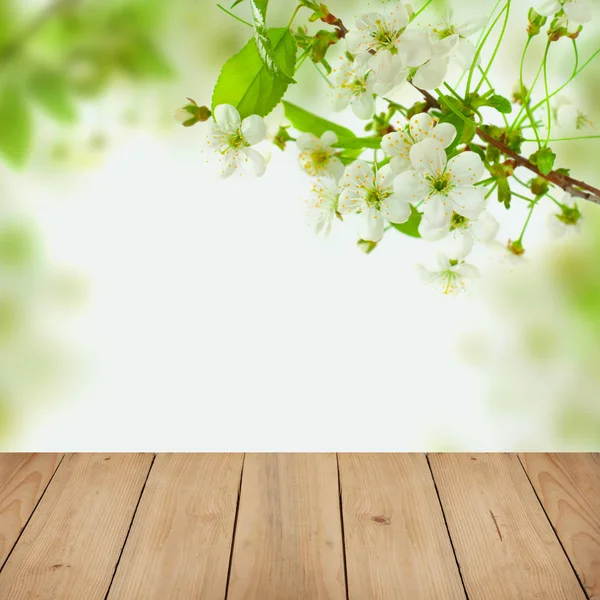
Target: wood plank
column 180, row 542
column 72, row 543
column 397, row 544
column 288, row 541
column 23, row 480
column 568, row 485
column 504, row 543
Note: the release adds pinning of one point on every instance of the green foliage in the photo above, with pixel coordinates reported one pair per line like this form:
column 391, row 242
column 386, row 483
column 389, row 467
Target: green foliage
column 50, row 89
column 504, row 193
column 374, row 143
column 245, row 81
column 305, row 121
column 500, row 103
column 411, row 227
column 16, row 126
column 544, row 160
column 459, row 115
column 17, row 246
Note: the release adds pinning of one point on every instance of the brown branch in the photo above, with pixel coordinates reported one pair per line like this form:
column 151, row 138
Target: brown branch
column 574, row 187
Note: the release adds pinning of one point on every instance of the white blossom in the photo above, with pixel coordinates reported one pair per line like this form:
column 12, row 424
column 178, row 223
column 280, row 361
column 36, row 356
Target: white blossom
column 231, row 138
column 352, row 85
column 449, row 43
column 568, row 117
column 371, row 195
column 390, row 49
column 397, row 145
column 444, row 187
column 322, row 206
column 568, row 221
column 578, row 11
column 449, row 275
column 463, row 233
column 317, row 156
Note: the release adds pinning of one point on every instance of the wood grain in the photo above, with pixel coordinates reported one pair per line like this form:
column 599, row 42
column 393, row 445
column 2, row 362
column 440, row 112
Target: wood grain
column 288, row 542
column 505, row 546
column 23, row 480
column 568, row 485
column 180, row 542
column 397, row 544
column 71, row 545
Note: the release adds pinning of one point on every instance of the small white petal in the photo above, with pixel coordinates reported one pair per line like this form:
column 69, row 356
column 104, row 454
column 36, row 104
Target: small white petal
column 437, row 211
column 329, row 138
column 445, row 133
column 254, row 129
column 485, row 228
column 467, row 271
column 546, row 7
column 371, row 225
column 430, row 232
column 227, row 117
column 460, row 243
column 578, row 11
column 255, row 162
column 363, row 105
column 432, row 74
column 421, row 126
column 467, row 201
column 428, row 156
column 411, row 185
column 466, row 168
column 414, row 48
column 395, row 209
column 464, row 53
column 307, row 141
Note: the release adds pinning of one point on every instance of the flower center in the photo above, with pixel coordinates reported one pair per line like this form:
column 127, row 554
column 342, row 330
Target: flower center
column 375, row 196
column 441, row 183
column 358, row 86
column 320, row 158
column 446, row 32
column 236, row 140
column 458, row 222
column 385, row 37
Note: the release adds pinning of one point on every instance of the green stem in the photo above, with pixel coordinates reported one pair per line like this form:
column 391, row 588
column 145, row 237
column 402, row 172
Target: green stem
column 485, row 78
column 571, row 139
column 492, row 189
column 480, row 48
column 498, row 44
column 235, row 16
column 549, row 108
column 294, row 15
column 533, row 205
column 415, row 15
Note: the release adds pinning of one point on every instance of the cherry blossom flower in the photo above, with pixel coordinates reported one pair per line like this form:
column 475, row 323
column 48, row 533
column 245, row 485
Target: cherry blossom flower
column 390, row 49
column 444, row 187
column 317, row 156
column 449, row 274
column 569, row 118
column 397, row 145
column 578, row 11
column 322, row 207
column 449, row 44
column 352, row 85
column 463, row 233
column 371, row 195
column 231, row 138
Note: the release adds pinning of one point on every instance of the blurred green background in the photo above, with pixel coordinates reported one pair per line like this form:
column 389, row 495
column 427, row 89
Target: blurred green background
column 62, row 64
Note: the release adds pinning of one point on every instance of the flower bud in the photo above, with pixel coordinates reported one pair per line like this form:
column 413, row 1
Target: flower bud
column 536, row 22
column 191, row 113
column 515, row 247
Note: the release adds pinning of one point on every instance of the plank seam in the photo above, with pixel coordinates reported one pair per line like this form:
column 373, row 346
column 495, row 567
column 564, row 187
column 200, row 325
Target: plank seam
column 112, row 579
column 553, row 528
column 337, row 458
column 235, row 521
column 32, row 512
column 437, row 492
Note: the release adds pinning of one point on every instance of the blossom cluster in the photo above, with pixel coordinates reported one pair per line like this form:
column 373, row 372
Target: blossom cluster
column 430, row 173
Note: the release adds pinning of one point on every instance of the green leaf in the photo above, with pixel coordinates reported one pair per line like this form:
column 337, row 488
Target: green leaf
column 500, row 103
column 308, row 122
column 51, row 91
column 504, row 193
column 16, row 133
column 263, row 41
column 544, row 160
column 411, row 227
column 246, row 83
column 144, row 60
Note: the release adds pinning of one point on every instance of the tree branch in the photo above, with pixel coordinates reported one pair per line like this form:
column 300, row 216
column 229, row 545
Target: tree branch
column 574, row 187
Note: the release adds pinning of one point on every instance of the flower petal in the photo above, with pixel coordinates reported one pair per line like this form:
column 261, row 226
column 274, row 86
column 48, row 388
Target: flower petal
column 371, row 224
column 255, row 162
column 466, row 168
column 363, row 105
column 432, row 74
column 546, row 7
column 459, row 244
column 420, row 126
column 467, row 201
column 429, row 156
column 329, row 138
column 437, row 210
column 350, row 201
column 414, row 48
column 254, row 129
column 578, row 11
column 464, row 53
column 358, row 175
column 395, row 209
column 467, row 271
column 307, row 141
column 227, row 117
column 445, row 133
column 485, row 228
column 431, row 233
column 411, row 185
